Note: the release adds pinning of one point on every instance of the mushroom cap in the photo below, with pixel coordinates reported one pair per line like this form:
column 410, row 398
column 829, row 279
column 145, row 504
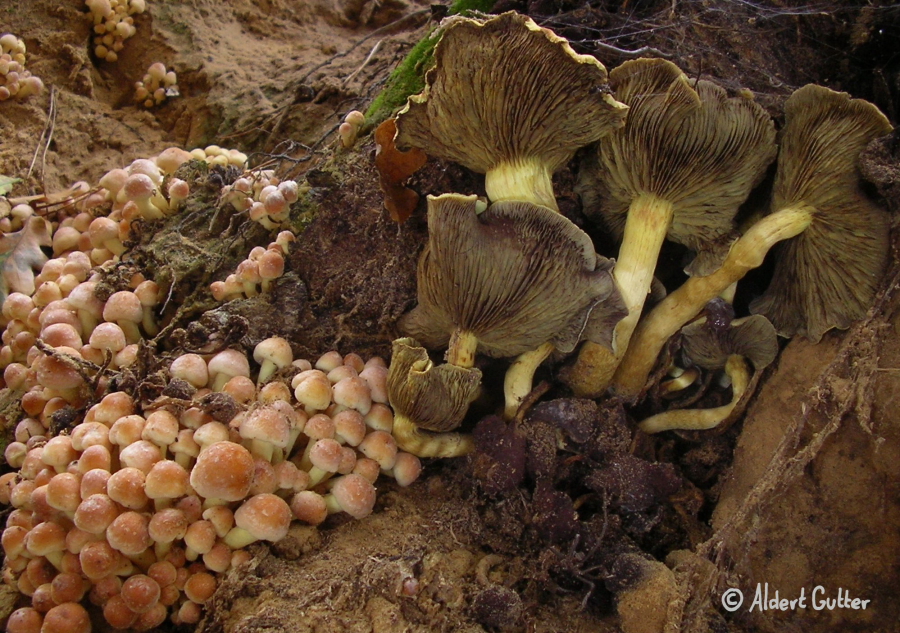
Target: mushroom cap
column 266, row 516
column 684, row 141
column 827, row 276
column 224, row 470
column 517, row 275
column 753, row 337
column 437, row 398
column 504, row 90
column 354, row 494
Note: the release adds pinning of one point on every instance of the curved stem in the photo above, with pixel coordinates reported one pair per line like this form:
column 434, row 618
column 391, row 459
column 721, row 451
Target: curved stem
column 686, row 302
column 702, row 419
column 520, row 376
column 427, row 444
column 648, row 223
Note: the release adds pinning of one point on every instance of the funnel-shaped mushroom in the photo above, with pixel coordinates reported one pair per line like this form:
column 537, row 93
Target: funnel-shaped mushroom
column 685, row 161
column 751, row 339
column 511, row 100
column 507, row 280
column 826, row 276
column 429, row 397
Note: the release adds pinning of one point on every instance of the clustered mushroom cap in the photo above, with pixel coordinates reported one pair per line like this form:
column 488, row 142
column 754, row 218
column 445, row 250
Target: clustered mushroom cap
column 515, row 275
column 827, row 276
column 504, row 91
column 685, row 142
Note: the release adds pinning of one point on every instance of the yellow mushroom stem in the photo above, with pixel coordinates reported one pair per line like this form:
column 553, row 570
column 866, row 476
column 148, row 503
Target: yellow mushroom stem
column 688, row 301
column 520, row 376
column 649, row 218
column 422, row 443
column 526, row 180
column 702, row 419
column 680, row 381
column 461, row 352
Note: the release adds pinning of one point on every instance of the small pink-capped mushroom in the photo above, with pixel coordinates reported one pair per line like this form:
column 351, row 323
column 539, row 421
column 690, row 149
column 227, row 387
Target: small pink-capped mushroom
column 68, row 587
column 190, row 367
column 380, row 418
column 223, row 473
column 127, row 357
column 26, row 619
column 140, row 189
column 309, row 507
column 141, row 455
column 166, row 526
column 272, row 354
column 267, row 431
column 218, row 558
column 221, row 518
column 339, row 373
column 64, row 493
column 129, row 533
column 166, row 480
column 407, row 468
column 349, row 427
column 93, row 481
column 108, row 339
column 113, row 181
column 264, row 517
column 89, row 434
column 329, row 360
column 199, row 587
column 127, row 429
column 312, row 390
column 325, row 457
column 125, row 309
column 284, row 240
column 225, row 365
column 61, row 335
column 88, row 307
column 147, row 167
column 184, row 448
column 210, row 433
column 380, row 446
column 170, row 159
column 178, row 192
column 65, row 239
column 68, row 617
column 259, row 214
column 376, row 378
column 58, row 453
column 270, row 266
column 199, row 539
column 273, row 392
column 241, row 388
column 126, row 487
column 276, row 206
column 248, row 274
column 352, row 393
column 96, row 513
column 264, row 479
column 352, row 494
column 104, row 233
column 161, row 429
column 140, row 593
column 147, row 293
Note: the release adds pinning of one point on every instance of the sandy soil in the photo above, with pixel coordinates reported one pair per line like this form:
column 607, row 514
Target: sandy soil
column 804, row 492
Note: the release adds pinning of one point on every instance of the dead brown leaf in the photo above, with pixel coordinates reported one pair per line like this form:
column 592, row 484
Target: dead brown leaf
column 394, row 167
column 21, row 256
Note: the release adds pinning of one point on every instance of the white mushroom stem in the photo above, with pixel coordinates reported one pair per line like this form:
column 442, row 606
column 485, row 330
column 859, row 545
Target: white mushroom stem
column 687, row 301
column 520, row 376
column 425, row 444
column 646, row 226
column 702, row 419
column 526, row 180
column 461, row 352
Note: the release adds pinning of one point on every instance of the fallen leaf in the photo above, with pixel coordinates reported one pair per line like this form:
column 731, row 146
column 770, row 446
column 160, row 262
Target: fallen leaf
column 6, row 184
column 21, row 256
column 394, row 167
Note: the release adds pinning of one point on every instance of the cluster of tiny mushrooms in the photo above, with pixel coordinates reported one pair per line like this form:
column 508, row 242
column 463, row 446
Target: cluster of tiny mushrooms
column 668, row 157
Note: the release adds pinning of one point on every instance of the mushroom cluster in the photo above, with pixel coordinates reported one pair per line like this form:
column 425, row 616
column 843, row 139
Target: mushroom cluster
column 267, row 198
column 671, row 158
column 157, row 85
column 256, row 273
column 168, row 496
column 511, row 278
column 15, row 81
column 113, row 24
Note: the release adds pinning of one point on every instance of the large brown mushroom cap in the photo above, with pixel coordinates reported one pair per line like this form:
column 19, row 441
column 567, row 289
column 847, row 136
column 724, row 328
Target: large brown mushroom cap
column 516, row 275
column 827, row 276
column 436, row 398
column 503, row 91
column 685, row 142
